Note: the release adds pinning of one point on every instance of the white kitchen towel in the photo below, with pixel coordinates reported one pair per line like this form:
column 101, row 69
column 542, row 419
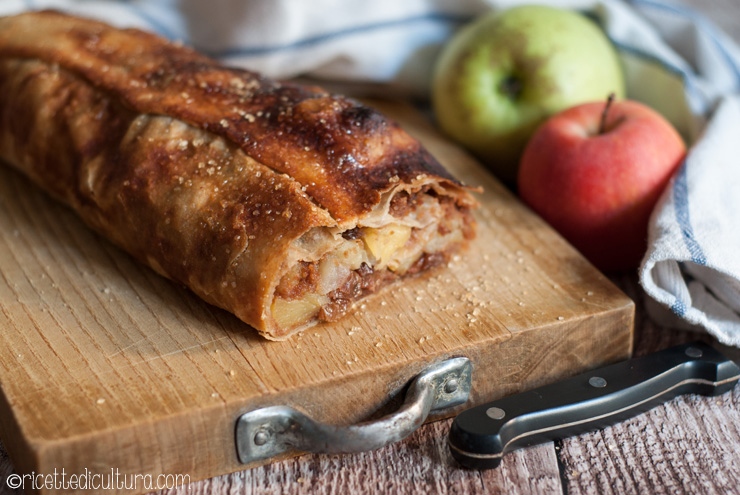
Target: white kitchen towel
column 675, row 60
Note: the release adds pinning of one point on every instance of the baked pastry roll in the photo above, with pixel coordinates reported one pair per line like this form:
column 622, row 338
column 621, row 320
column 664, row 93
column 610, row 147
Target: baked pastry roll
column 278, row 202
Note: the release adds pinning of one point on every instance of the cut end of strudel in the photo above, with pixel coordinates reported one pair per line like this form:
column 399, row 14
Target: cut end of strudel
column 281, row 203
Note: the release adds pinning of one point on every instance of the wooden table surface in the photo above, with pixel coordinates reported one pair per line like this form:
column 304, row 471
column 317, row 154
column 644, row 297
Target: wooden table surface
column 689, row 445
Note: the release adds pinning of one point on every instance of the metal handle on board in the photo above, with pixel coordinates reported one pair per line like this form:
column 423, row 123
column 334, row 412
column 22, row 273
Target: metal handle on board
column 270, row 431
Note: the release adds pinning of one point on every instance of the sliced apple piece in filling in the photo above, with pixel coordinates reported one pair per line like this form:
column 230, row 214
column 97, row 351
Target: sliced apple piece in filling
column 296, row 312
column 383, row 242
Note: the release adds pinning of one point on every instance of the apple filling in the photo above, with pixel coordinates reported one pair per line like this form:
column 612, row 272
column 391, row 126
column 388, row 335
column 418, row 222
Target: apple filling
column 332, row 270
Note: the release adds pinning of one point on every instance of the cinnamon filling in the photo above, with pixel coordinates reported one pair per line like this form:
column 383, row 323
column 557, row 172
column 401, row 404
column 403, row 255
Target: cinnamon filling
column 304, row 281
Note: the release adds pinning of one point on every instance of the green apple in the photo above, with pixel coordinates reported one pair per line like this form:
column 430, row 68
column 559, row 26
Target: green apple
column 506, row 72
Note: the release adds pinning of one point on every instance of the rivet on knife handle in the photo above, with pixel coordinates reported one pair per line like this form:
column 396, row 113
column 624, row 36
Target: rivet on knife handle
column 480, row 436
column 271, row 431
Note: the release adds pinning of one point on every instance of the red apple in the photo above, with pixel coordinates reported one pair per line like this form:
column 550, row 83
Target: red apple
column 595, row 172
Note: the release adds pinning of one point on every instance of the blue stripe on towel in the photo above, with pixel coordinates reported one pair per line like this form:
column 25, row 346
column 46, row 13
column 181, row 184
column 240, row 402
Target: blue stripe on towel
column 686, row 77
column 159, row 27
column 451, row 19
column 678, row 308
column 705, row 25
column 702, row 22
column 156, row 24
column 681, row 202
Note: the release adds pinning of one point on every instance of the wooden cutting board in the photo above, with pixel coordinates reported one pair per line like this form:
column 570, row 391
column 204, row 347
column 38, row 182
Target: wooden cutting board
column 106, row 365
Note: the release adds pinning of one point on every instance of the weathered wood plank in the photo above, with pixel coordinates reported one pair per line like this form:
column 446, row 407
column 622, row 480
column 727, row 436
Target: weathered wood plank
column 420, row 464
column 688, row 445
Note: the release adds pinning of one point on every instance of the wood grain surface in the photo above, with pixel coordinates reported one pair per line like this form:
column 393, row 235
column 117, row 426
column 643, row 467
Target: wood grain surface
column 689, row 445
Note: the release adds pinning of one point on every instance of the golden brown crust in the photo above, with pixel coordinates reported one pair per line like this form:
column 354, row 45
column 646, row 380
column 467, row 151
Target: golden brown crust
column 207, row 174
column 357, row 152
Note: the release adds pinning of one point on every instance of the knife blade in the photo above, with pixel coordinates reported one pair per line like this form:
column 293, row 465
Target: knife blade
column 480, row 436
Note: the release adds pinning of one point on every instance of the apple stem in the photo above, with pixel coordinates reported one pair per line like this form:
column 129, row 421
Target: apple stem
column 602, row 123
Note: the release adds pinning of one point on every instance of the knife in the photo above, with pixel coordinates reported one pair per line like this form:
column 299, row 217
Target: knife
column 480, row 436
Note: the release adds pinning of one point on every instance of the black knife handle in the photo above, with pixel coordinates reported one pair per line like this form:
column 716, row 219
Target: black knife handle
column 480, row 436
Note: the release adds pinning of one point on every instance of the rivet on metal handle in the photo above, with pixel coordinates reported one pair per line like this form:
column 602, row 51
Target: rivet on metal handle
column 271, row 431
